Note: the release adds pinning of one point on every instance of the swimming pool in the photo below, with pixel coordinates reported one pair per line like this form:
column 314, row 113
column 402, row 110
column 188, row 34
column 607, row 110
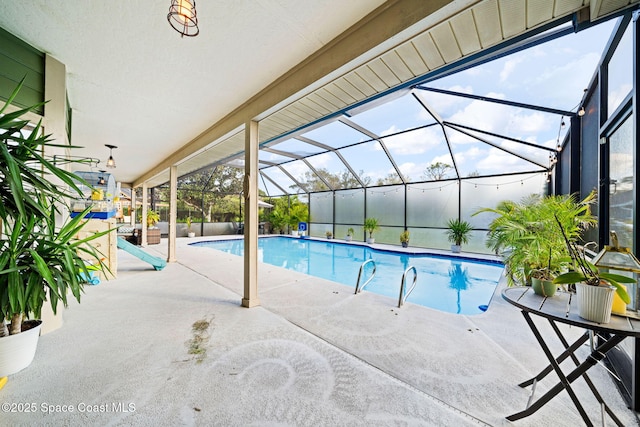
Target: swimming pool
column 446, row 283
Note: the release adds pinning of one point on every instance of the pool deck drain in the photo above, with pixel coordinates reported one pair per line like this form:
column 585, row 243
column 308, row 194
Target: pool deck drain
column 313, row 354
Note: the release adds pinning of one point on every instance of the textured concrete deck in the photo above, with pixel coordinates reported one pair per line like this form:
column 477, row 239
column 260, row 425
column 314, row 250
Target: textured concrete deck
column 313, row 354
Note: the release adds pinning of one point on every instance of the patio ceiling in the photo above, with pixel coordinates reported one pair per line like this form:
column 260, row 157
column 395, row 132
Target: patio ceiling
column 162, row 100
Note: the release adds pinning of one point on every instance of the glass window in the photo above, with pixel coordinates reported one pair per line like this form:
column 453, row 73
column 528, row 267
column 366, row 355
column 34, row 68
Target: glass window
column 621, row 183
column 620, row 72
column 621, row 191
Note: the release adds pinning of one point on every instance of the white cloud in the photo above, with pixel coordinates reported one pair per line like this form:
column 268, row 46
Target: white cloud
column 410, row 170
column 414, row 143
column 530, row 123
column 618, row 94
column 509, row 67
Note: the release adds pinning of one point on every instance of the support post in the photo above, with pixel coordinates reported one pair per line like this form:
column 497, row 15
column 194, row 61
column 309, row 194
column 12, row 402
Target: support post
column 250, row 189
column 173, row 213
column 145, row 200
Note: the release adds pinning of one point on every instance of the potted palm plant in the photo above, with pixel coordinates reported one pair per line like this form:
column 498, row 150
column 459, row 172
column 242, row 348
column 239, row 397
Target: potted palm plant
column 371, row 225
column 152, row 218
column 526, row 234
column 458, row 233
column 190, row 233
column 298, row 212
column 40, row 259
column 404, row 238
column 278, row 220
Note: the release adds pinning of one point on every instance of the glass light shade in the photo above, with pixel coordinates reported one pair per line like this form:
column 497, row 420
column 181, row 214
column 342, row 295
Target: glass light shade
column 182, row 17
column 111, row 163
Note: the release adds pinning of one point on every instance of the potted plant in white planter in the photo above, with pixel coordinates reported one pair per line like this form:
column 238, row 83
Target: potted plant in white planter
column 371, row 225
column 349, row 235
column 329, row 235
column 594, row 289
column 458, row 233
column 39, row 259
column 190, row 233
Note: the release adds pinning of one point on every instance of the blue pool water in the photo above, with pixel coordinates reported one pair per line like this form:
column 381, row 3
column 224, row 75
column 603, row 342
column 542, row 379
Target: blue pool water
column 445, row 283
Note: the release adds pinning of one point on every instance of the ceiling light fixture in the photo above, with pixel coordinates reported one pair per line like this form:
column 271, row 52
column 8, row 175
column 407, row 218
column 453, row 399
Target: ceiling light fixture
column 110, row 162
column 581, row 112
column 182, row 17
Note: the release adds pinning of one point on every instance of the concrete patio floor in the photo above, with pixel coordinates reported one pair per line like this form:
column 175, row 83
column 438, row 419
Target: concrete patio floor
column 313, row 354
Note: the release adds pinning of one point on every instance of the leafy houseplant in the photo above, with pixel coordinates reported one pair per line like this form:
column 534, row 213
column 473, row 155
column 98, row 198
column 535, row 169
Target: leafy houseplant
column 526, row 233
column 190, row 233
column 40, row 260
column 350, row 232
column 298, row 212
column 404, row 238
column 278, row 220
column 329, row 235
column 458, row 233
column 371, row 225
column 152, row 218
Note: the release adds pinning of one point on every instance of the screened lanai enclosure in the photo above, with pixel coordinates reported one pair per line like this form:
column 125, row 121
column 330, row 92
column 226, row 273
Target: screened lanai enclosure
column 553, row 113
column 438, row 149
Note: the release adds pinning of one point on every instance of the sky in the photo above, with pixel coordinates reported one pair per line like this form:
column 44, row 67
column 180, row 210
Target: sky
column 554, row 74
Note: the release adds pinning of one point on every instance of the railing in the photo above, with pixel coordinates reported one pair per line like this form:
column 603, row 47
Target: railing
column 373, row 273
column 403, row 296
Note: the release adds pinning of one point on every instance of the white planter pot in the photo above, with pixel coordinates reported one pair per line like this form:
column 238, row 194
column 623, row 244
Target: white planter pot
column 17, row 351
column 371, row 240
column 348, row 238
column 594, row 302
column 456, row 249
column 294, row 233
column 191, row 234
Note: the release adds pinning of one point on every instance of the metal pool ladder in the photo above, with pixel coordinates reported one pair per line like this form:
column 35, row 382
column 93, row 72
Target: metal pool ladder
column 373, row 273
column 403, row 297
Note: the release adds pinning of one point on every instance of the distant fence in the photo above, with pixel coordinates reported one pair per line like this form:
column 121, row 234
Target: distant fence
column 210, row 228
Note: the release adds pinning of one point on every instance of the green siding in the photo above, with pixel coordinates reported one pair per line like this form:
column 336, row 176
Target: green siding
column 19, row 60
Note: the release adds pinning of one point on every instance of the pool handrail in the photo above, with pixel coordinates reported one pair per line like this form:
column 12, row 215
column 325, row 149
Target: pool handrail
column 403, row 297
column 373, row 273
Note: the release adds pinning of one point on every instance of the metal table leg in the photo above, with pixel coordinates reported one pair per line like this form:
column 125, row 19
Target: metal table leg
column 593, row 388
column 565, row 381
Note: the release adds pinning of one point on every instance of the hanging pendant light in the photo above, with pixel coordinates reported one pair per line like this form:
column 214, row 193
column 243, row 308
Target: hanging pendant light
column 182, row 17
column 110, row 162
